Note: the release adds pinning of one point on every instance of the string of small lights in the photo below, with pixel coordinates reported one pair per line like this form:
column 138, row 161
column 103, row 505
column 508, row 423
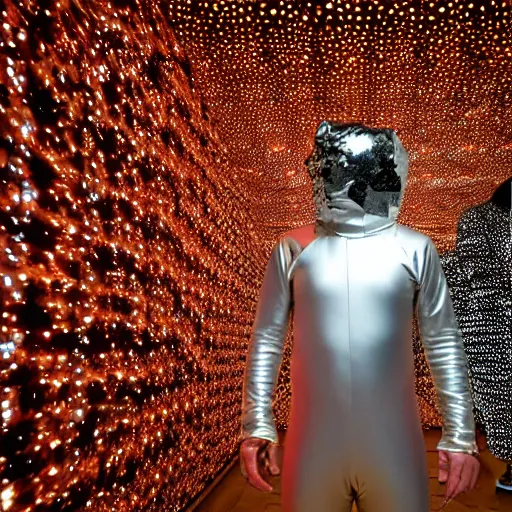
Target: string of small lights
column 129, row 264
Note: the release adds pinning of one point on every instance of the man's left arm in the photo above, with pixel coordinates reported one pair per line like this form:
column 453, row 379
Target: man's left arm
column 445, row 354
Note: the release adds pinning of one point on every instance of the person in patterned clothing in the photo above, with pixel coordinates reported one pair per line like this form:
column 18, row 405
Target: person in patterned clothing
column 483, row 304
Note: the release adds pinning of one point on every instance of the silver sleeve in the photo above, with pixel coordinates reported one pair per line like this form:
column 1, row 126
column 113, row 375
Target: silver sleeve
column 445, row 353
column 266, row 347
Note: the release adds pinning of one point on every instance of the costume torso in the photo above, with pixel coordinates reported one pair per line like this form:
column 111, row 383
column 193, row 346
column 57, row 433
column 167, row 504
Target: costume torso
column 353, row 301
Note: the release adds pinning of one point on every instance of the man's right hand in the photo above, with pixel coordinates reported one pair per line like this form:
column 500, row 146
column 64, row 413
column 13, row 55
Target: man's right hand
column 257, row 457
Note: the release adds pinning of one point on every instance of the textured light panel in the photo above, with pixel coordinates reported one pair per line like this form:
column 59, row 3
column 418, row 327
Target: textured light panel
column 128, row 264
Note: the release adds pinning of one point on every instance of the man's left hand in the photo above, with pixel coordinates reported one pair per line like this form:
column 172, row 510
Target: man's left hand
column 459, row 471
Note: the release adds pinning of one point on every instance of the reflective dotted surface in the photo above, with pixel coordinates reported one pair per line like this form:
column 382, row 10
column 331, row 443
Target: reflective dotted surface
column 128, row 265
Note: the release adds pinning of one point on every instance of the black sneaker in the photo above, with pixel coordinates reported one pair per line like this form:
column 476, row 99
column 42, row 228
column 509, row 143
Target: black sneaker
column 505, row 481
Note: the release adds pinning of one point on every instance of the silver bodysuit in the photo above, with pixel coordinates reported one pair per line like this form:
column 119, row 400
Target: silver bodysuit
column 354, row 430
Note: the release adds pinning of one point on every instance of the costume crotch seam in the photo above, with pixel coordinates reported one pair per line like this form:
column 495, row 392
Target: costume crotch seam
column 358, row 488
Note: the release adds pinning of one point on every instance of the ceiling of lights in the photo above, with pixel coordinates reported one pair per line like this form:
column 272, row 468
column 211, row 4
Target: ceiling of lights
column 437, row 72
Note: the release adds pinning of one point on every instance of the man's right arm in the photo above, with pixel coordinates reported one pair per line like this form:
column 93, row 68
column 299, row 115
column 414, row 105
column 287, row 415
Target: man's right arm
column 266, row 347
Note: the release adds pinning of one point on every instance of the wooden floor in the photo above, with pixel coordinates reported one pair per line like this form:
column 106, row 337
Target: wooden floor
column 233, row 494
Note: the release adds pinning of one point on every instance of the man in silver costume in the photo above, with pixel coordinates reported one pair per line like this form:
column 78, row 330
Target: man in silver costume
column 353, row 281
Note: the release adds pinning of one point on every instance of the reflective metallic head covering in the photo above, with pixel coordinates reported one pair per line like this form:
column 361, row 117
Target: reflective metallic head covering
column 365, row 165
